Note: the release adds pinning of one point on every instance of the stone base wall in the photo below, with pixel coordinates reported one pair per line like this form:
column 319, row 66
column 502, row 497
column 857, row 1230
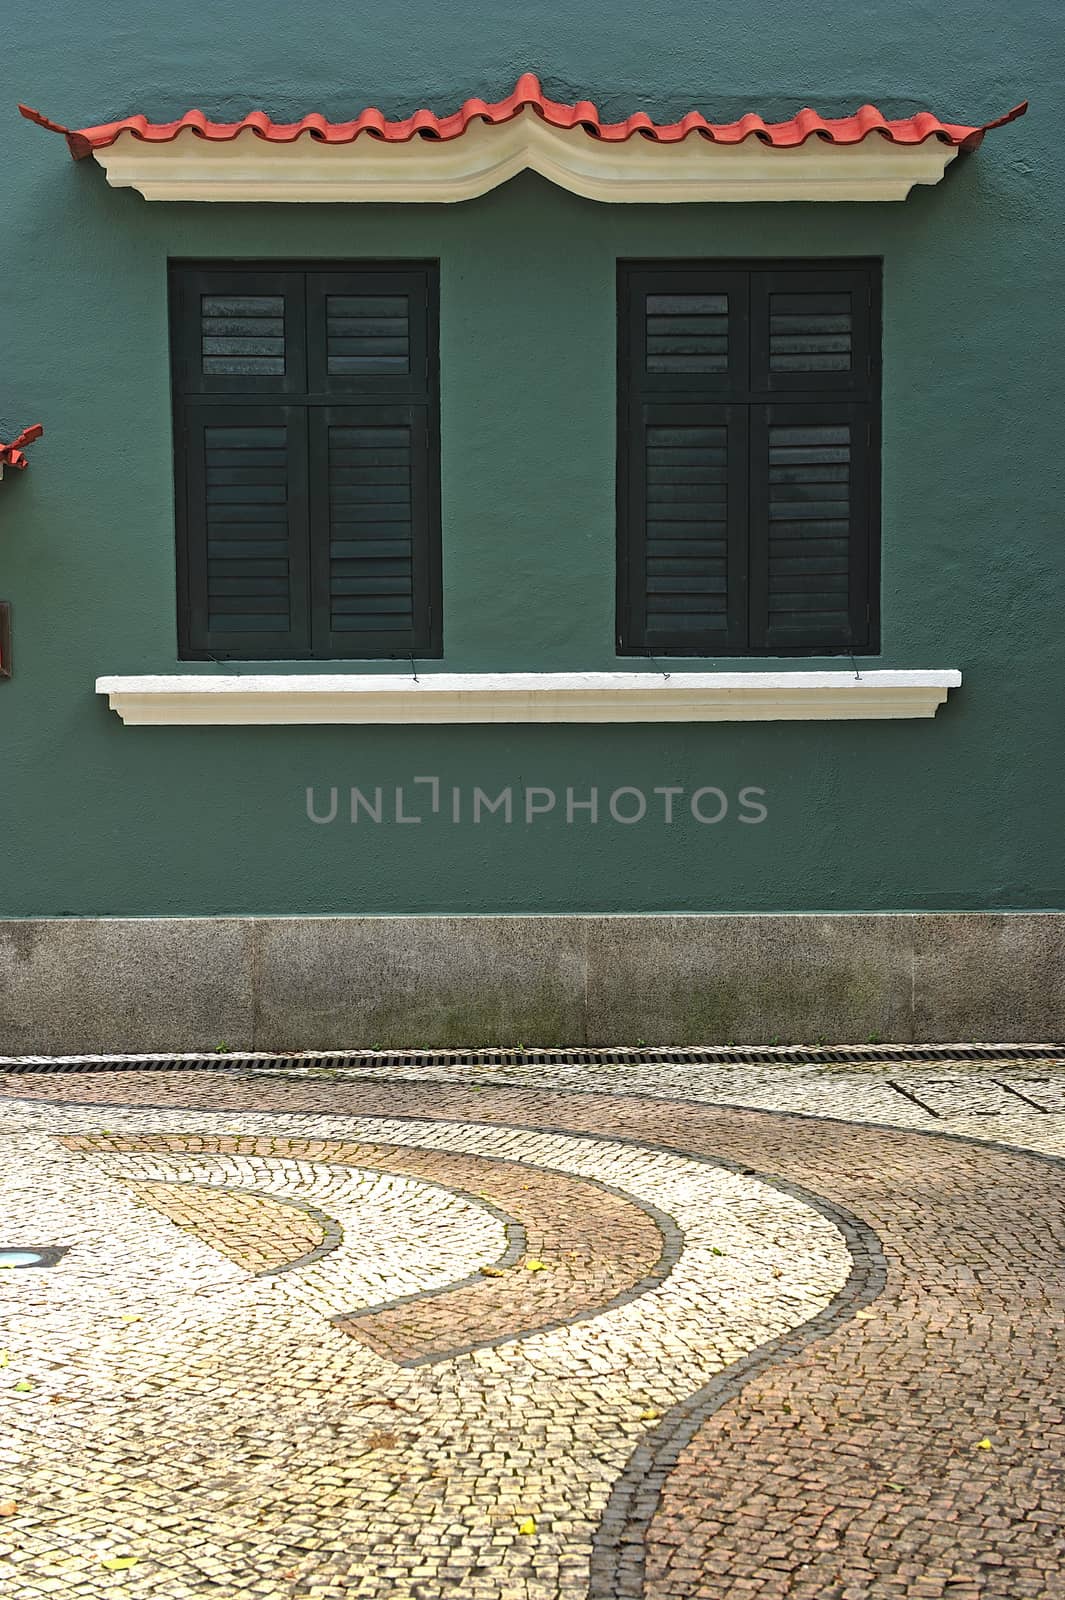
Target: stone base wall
column 287, row 983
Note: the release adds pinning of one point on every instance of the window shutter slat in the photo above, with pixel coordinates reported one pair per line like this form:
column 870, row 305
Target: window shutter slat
column 245, row 550
column 810, row 473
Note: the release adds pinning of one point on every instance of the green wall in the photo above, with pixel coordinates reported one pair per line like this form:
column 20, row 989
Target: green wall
column 960, row 812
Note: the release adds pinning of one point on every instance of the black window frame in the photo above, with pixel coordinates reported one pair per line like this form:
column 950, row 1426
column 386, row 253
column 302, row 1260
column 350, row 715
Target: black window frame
column 732, row 400
column 342, row 399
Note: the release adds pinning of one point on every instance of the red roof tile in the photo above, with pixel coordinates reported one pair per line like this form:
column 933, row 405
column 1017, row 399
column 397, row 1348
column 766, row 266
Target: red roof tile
column 806, row 124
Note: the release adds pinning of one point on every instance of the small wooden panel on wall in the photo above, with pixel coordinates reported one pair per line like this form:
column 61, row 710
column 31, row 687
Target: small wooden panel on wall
column 5, row 639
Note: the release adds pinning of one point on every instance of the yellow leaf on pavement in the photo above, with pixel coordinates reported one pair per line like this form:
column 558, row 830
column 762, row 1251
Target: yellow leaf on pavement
column 491, row 1272
column 24, row 1386
column 528, row 1526
column 650, row 1415
column 985, row 1444
column 536, row 1266
column 4, row 1358
column 119, row 1563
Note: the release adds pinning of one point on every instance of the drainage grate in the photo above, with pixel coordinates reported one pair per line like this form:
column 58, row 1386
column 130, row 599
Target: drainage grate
column 637, row 1055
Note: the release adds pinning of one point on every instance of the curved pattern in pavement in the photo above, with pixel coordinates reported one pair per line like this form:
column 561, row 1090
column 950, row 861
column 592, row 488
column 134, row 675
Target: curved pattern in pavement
column 577, row 1246
column 893, row 1438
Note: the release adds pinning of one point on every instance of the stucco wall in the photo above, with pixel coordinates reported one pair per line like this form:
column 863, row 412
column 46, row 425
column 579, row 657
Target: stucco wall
column 960, row 812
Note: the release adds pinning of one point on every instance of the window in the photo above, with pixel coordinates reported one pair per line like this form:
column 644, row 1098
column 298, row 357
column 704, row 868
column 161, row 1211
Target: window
column 306, row 428
column 748, row 460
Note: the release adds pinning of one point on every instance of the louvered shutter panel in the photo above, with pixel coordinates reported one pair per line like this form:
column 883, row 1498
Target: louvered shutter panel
column 685, row 332
column 371, row 556
column 687, row 563
column 246, row 531
column 368, row 332
column 813, row 468
column 241, row 333
column 811, row 332
column 682, row 501
column 810, row 474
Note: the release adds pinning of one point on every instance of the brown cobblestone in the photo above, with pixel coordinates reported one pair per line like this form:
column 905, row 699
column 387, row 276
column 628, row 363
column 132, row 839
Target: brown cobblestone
column 258, row 1233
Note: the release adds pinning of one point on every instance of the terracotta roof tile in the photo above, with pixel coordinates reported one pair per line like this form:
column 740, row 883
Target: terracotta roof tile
column 796, row 130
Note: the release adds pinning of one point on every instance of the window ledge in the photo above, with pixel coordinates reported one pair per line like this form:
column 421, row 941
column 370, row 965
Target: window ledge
column 200, row 700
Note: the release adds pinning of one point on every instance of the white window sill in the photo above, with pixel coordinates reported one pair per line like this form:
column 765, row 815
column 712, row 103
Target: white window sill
column 195, row 699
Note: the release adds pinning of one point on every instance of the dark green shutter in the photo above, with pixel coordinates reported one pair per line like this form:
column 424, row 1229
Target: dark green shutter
column 809, row 527
column 246, row 536
column 683, row 493
column 372, row 580
column 811, row 332
column 748, row 481
column 813, row 473
column 688, row 488
column 370, row 332
column 240, row 333
column 306, row 441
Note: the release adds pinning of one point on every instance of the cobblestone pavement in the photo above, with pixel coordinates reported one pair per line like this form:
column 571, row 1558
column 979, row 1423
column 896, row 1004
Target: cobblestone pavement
column 453, row 1333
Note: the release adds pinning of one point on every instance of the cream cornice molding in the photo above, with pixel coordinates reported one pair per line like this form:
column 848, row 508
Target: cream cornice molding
column 209, row 700
column 636, row 169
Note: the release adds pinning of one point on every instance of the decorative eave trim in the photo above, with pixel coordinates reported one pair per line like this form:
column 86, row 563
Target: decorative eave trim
column 203, row 700
column 248, row 168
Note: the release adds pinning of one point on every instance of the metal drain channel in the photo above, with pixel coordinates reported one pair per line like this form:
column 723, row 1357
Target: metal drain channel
column 638, row 1055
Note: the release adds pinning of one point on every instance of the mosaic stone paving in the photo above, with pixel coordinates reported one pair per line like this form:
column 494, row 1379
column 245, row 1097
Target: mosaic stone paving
column 332, row 1335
